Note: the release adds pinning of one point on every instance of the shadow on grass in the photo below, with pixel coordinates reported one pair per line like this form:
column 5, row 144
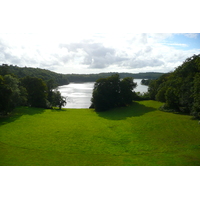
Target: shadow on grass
column 18, row 112
column 134, row 110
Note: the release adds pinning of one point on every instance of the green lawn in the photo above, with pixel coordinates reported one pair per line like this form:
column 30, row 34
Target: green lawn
column 137, row 135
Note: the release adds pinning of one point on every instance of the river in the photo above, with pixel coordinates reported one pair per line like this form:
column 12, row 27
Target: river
column 79, row 94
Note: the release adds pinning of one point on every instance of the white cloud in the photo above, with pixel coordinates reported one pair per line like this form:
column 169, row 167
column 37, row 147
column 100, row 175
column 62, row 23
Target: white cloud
column 176, row 44
column 94, row 36
column 191, row 35
column 93, row 53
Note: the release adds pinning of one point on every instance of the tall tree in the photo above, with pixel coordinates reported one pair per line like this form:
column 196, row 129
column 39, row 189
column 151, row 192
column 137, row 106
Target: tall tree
column 126, row 90
column 111, row 92
column 106, row 93
column 58, row 100
column 11, row 94
column 5, row 94
column 37, row 91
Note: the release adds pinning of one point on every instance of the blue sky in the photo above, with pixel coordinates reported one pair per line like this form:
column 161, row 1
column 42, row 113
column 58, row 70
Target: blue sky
column 184, row 41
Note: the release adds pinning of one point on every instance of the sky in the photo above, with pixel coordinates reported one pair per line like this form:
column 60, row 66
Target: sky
column 98, row 36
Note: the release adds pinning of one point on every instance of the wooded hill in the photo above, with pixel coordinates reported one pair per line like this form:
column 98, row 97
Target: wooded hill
column 179, row 90
column 46, row 75
column 64, row 79
column 93, row 77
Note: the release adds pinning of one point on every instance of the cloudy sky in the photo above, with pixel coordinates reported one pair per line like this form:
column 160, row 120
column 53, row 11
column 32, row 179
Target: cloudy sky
column 97, row 36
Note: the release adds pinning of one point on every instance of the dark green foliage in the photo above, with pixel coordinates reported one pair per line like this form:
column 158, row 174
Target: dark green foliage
column 145, row 81
column 171, row 96
column 50, row 86
column 4, row 69
column 126, row 90
column 31, row 91
column 5, row 93
column 64, row 79
column 12, row 84
column 196, row 96
column 137, row 96
column 106, row 93
column 179, row 90
column 37, row 91
column 58, row 100
column 155, row 85
column 94, row 77
column 111, row 92
column 11, row 94
column 46, row 75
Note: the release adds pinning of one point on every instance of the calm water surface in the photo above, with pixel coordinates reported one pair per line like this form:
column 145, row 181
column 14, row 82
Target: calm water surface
column 79, row 94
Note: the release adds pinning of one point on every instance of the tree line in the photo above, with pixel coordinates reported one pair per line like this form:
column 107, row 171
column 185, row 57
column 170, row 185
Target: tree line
column 45, row 75
column 93, row 77
column 27, row 91
column 64, row 79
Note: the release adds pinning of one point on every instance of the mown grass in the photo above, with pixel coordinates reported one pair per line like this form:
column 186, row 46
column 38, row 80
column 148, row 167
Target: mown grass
column 136, row 135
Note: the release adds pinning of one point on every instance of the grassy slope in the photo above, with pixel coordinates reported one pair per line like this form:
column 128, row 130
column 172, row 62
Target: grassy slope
column 137, row 135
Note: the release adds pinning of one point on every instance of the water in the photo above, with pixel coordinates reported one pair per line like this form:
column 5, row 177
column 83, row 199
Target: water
column 140, row 88
column 79, row 94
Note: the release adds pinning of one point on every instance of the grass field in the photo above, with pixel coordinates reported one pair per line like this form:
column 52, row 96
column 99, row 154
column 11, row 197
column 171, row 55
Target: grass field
column 138, row 135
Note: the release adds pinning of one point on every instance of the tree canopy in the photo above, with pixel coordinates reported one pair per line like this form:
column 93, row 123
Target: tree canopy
column 179, row 90
column 45, row 75
column 28, row 91
column 112, row 92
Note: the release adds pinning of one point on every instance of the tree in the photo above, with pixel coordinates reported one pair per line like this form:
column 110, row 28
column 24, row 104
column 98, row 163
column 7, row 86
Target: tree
column 11, row 94
column 126, row 90
column 106, row 93
column 4, row 69
column 5, row 93
column 171, row 97
column 110, row 92
column 153, row 89
column 50, row 86
column 37, row 91
column 196, row 95
column 58, row 100
column 160, row 96
column 155, row 85
column 13, row 84
column 179, row 90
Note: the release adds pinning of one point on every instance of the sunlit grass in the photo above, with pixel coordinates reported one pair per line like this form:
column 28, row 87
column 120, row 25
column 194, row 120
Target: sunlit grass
column 136, row 135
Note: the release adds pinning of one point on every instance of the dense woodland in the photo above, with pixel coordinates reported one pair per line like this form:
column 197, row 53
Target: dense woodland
column 27, row 91
column 45, row 75
column 179, row 90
